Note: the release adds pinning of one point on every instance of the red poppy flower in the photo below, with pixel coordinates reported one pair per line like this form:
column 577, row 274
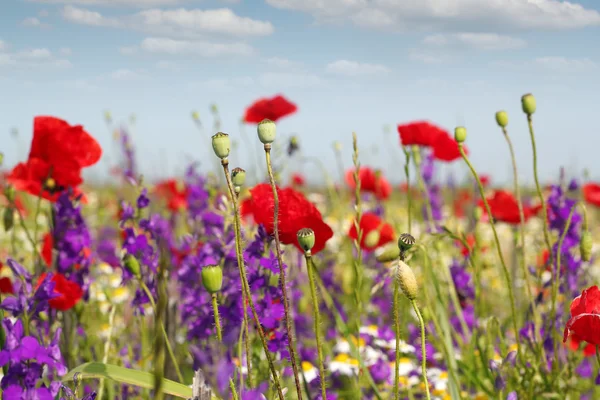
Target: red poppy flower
column 485, row 180
column 420, row 133
column 370, row 181
column 176, row 194
column 6, row 286
column 69, row 293
column 591, row 193
column 505, row 208
column 47, row 247
column 295, row 213
column 375, row 232
column 462, row 201
column 589, row 349
column 273, row 109
column 298, row 179
column 585, row 317
column 445, row 148
column 58, row 153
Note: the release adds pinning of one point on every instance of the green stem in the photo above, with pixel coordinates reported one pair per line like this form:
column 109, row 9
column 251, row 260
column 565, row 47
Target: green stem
column 317, row 317
column 282, row 278
column 423, row 348
column 215, row 305
column 397, row 330
column 408, row 194
column 244, row 278
column 233, row 392
column 164, row 332
column 423, row 188
column 498, row 248
column 358, row 272
column 111, row 320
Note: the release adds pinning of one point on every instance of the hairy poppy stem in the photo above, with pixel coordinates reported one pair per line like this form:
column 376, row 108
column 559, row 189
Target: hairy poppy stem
column 397, row 331
column 498, row 248
column 423, row 348
column 310, row 266
column 215, row 306
column 282, row 279
column 164, row 332
column 423, row 187
column 244, row 278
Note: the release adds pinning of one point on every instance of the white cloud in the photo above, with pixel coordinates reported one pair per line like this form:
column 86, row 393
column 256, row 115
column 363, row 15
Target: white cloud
column 481, row 41
column 127, row 75
column 132, row 3
column 40, row 57
column 223, row 84
column 65, row 51
column 552, row 64
column 200, row 48
column 282, row 63
column 128, row 50
column 175, row 22
column 168, row 66
column 426, row 57
column 32, row 21
column 448, row 14
column 3, row 45
column 353, row 68
column 81, row 84
column 87, row 17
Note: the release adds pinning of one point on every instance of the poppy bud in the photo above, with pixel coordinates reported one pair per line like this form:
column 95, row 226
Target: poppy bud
column 132, row 265
column 372, row 238
column 1, row 158
column 306, row 239
column 337, row 146
column 195, row 115
column 9, row 218
column 408, row 281
column 390, row 254
column 266, row 131
column 406, row 241
column 107, row 116
column 460, row 134
column 528, row 104
column 212, row 278
column 214, row 108
column 585, row 246
column 238, row 177
column 9, row 193
column 502, row 119
column 221, row 144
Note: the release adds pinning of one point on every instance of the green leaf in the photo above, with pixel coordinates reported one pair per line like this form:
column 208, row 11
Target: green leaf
column 96, row 370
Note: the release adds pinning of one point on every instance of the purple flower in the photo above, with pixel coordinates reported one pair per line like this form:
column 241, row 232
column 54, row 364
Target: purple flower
column 143, row 201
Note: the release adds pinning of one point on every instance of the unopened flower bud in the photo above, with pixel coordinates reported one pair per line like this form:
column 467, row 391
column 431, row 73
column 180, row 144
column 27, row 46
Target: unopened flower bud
column 1, row 158
column 585, row 246
column 267, row 131
column 9, row 218
column 408, row 281
column 132, row 265
column 460, row 134
column 195, row 115
column 499, row 383
column 390, row 254
column 306, row 239
column 372, row 238
column 502, row 119
column 214, row 108
column 238, row 177
column 221, row 144
column 528, row 104
column 212, row 278
column 511, row 358
column 9, row 193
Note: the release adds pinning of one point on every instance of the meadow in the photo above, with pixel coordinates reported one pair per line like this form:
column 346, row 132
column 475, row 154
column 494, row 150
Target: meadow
column 204, row 287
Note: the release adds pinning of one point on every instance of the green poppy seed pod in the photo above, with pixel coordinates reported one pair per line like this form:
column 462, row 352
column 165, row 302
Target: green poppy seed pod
column 502, row 119
column 267, row 130
column 212, row 278
column 221, row 144
column 390, row 254
column 407, row 279
column 9, row 193
column 132, row 265
column 460, row 134
column 372, row 238
column 238, row 177
column 585, row 246
column 9, row 218
column 528, row 104
column 1, row 158
column 306, row 239
column 406, row 241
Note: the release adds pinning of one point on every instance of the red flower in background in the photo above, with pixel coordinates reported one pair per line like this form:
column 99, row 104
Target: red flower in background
column 69, row 293
column 174, row 193
column 58, row 153
column 591, row 193
column 419, row 133
column 584, row 323
column 445, row 149
column 505, row 208
column 375, row 232
column 370, row 181
column 47, row 247
column 295, row 213
column 485, row 180
column 269, row 108
column 589, row 349
column 6, row 286
column 462, row 201
column 298, row 179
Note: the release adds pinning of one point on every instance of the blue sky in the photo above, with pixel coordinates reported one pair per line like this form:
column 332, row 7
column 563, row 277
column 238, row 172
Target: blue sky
column 350, row 65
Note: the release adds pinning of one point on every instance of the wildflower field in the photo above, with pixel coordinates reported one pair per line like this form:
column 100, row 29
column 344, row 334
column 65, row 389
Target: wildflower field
column 214, row 285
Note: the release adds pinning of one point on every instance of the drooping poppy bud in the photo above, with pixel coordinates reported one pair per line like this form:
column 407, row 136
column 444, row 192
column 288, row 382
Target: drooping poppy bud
column 407, row 280
column 132, row 265
column 585, row 246
column 9, row 218
column 267, row 130
column 212, row 278
column 390, row 254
